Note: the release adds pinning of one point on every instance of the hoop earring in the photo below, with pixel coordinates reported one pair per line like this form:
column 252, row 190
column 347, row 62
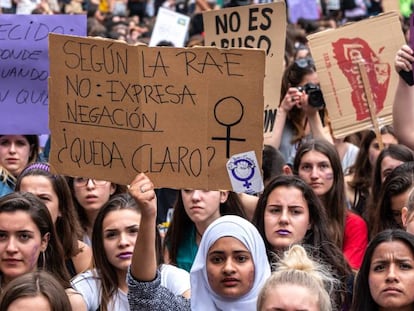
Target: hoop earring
column 43, row 260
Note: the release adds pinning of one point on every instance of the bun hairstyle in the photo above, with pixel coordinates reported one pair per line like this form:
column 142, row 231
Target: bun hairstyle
column 296, row 268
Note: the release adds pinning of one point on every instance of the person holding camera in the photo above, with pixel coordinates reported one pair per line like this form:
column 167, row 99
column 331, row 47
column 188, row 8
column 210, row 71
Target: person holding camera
column 301, row 110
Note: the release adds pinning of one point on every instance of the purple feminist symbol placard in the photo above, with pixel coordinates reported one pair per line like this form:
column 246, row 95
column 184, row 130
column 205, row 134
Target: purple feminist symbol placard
column 24, row 68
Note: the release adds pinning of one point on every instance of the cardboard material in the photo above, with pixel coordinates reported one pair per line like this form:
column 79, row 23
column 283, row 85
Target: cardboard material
column 176, row 114
column 337, row 53
column 390, row 5
column 254, row 26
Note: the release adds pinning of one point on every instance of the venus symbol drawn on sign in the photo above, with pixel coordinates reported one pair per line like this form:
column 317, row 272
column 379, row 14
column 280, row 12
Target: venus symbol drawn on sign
column 221, row 109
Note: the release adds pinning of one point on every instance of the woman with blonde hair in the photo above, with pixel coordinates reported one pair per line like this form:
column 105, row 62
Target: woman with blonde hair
column 298, row 282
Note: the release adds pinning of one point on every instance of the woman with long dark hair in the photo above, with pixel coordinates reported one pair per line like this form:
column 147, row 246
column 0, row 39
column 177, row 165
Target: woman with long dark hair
column 113, row 239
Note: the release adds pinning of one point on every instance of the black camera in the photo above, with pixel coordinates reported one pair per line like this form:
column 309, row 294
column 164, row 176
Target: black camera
column 315, row 96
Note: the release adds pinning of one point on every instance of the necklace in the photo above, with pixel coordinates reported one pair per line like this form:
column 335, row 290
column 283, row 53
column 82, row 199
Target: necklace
column 198, row 233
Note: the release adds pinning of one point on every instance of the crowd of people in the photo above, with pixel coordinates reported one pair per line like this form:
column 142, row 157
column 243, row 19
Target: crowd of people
column 333, row 228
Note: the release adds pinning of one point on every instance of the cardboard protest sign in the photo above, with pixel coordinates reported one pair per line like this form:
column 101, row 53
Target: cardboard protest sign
column 390, row 5
column 254, row 26
column 25, row 68
column 176, row 114
column 337, row 54
column 170, row 26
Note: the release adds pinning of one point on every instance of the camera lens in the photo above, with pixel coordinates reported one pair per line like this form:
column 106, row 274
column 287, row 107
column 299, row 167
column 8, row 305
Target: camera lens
column 315, row 98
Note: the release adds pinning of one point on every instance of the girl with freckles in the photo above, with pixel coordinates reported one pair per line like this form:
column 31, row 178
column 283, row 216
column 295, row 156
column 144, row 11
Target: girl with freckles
column 229, row 269
column 317, row 162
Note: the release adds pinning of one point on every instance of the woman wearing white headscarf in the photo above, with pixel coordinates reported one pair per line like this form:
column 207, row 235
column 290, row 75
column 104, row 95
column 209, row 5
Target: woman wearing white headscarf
column 204, row 297
column 228, row 272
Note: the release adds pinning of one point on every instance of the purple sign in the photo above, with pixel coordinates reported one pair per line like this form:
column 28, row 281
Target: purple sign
column 307, row 9
column 24, row 68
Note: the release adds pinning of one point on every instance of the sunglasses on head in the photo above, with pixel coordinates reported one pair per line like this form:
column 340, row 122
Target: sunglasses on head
column 304, row 62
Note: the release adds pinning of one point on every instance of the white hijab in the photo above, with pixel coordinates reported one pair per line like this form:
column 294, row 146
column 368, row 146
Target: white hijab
column 202, row 296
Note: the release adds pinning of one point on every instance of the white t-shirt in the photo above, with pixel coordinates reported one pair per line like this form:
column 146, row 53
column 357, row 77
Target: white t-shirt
column 88, row 284
column 26, row 6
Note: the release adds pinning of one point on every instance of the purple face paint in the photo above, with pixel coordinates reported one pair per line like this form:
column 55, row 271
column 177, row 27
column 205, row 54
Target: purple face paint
column 329, row 176
column 34, row 257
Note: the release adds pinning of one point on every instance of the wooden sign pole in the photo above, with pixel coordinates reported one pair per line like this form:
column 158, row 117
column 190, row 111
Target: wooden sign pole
column 371, row 106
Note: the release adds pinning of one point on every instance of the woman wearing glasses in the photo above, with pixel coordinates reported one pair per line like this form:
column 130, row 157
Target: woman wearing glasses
column 299, row 114
column 89, row 197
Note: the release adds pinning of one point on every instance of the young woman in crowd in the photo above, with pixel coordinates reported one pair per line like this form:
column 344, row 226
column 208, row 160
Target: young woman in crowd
column 113, row 239
column 54, row 191
column 288, row 213
column 388, row 159
column 28, row 242
column 297, row 120
column 16, row 151
column 194, row 211
column 227, row 274
column 318, row 164
column 359, row 181
column 386, row 279
column 89, row 195
column 392, row 198
column 34, row 290
column 298, row 283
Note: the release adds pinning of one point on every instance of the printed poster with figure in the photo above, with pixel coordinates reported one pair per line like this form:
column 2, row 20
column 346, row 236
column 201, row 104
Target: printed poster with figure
column 337, row 54
column 178, row 115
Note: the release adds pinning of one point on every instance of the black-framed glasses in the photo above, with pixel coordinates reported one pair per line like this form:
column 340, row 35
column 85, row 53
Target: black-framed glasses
column 83, row 182
column 306, row 62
